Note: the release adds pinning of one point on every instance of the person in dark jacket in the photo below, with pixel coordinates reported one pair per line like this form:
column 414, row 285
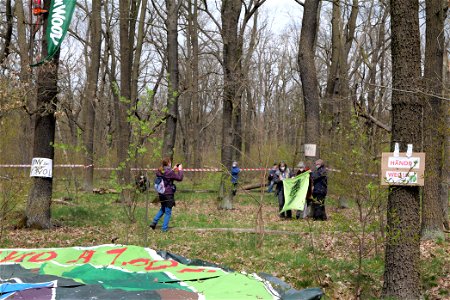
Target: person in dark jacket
column 271, row 177
column 167, row 199
column 320, row 188
column 281, row 174
column 235, row 176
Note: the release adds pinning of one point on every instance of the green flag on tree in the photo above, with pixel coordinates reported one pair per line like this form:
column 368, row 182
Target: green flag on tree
column 295, row 190
column 58, row 22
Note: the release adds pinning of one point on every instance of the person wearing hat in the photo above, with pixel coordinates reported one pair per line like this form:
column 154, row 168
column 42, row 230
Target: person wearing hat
column 301, row 214
column 235, row 176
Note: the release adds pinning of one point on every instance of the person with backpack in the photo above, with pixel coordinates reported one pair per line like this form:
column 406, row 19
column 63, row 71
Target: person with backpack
column 165, row 187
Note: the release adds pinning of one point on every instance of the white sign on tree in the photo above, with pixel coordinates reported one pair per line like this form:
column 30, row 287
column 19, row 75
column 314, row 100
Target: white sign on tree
column 41, row 167
column 310, row 150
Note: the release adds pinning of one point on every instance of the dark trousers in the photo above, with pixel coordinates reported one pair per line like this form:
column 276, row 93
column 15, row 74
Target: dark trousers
column 286, row 214
column 318, row 208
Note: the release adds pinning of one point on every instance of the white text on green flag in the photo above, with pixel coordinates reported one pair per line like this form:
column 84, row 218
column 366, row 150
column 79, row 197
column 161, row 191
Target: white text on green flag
column 59, row 18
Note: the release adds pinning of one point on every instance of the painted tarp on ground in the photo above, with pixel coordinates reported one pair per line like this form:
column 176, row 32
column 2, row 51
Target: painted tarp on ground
column 128, row 272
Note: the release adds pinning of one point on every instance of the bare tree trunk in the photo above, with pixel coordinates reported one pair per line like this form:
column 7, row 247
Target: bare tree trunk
column 126, row 37
column 402, row 275
column 25, row 76
column 231, row 9
column 195, row 101
column 4, row 49
column 308, row 73
column 40, row 196
column 433, row 117
column 446, row 164
column 172, row 7
column 91, row 94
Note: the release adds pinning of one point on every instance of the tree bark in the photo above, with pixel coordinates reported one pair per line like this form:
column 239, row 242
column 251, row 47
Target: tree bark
column 91, row 94
column 4, row 49
column 39, row 201
column 308, row 74
column 126, row 37
column 433, row 116
column 172, row 7
column 230, row 11
column 446, row 164
column 402, row 275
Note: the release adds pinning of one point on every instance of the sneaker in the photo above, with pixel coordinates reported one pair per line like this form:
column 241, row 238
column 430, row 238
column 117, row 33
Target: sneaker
column 153, row 226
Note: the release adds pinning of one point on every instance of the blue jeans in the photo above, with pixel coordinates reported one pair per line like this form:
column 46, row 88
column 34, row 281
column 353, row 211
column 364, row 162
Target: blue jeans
column 269, row 190
column 167, row 212
column 167, row 202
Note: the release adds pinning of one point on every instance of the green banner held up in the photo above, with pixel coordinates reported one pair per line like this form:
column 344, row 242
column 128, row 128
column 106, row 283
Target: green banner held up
column 295, row 190
column 59, row 18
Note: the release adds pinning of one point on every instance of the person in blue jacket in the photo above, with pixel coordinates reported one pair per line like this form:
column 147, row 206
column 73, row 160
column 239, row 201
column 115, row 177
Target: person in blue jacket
column 235, row 176
column 167, row 199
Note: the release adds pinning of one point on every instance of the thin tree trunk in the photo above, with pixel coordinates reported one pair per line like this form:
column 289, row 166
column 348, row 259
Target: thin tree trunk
column 433, row 117
column 402, row 255
column 126, row 37
column 172, row 7
column 91, row 94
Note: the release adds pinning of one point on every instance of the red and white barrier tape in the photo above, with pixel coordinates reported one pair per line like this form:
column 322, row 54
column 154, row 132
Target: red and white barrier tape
column 133, row 169
column 187, row 170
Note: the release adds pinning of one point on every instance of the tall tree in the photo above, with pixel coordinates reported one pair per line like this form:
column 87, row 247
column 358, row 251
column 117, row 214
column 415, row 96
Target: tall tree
column 91, row 93
column 401, row 275
column 40, row 196
column 172, row 7
column 233, row 40
column 434, row 118
column 308, row 74
column 230, row 12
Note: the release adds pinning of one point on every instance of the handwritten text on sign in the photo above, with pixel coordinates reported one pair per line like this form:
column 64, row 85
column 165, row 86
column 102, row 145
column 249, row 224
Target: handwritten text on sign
column 402, row 170
column 41, row 167
column 404, row 162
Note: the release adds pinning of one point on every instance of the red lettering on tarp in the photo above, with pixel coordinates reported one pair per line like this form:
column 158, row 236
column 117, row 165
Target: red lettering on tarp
column 16, row 258
column 118, row 252
column 35, row 259
column 189, row 270
column 150, row 266
column 139, row 262
column 86, row 256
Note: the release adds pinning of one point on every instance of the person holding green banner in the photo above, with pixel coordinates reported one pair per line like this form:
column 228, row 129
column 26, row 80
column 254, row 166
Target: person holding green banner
column 295, row 191
column 302, row 214
column 282, row 174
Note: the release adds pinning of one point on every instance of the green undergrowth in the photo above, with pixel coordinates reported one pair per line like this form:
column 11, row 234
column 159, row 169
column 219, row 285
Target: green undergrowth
column 303, row 253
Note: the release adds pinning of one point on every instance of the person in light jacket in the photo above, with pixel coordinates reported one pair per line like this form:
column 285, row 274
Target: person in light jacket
column 281, row 174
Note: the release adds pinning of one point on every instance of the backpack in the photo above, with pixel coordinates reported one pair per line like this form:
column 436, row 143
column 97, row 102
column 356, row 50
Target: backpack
column 160, row 188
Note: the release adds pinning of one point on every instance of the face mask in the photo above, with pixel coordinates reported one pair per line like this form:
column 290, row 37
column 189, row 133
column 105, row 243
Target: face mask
column 317, row 166
column 282, row 169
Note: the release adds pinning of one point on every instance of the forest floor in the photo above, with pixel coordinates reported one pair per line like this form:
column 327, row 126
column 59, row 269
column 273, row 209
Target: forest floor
column 343, row 256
